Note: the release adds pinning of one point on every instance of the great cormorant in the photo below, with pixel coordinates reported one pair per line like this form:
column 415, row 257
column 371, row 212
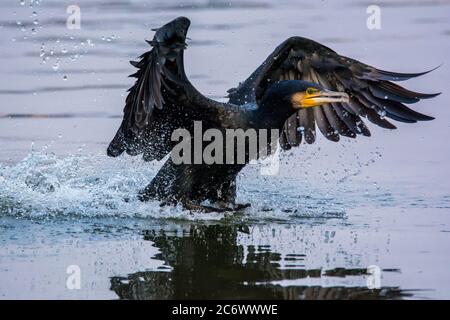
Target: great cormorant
column 300, row 86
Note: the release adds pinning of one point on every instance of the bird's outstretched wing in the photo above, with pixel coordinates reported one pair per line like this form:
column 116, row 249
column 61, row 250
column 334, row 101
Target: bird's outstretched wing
column 154, row 105
column 372, row 94
column 147, row 122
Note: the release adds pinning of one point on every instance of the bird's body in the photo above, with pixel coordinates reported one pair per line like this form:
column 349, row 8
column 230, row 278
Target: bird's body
column 301, row 85
column 196, row 182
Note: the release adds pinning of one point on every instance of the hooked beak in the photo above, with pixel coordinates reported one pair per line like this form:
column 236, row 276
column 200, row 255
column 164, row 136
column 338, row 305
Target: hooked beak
column 319, row 97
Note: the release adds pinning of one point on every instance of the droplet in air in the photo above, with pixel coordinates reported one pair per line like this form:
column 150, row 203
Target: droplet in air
column 382, row 114
column 56, row 65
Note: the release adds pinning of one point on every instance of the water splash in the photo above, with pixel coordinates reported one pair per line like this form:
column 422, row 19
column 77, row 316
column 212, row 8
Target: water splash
column 44, row 185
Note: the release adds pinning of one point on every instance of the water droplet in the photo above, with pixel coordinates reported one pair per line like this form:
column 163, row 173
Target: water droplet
column 65, row 78
column 382, row 113
column 56, row 65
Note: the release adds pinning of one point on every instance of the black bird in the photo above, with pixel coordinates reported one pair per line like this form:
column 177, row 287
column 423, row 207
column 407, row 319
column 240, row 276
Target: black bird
column 300, row 86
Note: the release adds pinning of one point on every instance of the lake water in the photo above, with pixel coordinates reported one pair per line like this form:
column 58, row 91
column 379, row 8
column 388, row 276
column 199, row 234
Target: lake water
column 368, row 218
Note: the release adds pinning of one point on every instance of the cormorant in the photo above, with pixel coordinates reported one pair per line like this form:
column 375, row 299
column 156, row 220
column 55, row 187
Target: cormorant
column 300, row 86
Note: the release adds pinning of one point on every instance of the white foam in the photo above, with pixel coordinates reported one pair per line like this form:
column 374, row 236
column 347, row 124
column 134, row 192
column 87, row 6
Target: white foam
column 44, row 185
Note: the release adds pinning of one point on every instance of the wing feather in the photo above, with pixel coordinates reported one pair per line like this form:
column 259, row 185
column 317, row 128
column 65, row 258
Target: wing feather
column 153, row 104
column 372, row 93
column 294, row 137
column 324, row 125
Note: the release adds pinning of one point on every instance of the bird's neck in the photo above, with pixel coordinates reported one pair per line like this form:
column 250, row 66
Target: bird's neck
column 270, row 116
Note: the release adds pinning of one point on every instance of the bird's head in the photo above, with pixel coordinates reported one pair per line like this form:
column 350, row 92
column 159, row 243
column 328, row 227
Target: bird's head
column 301, row 94
column 172, row 35
column 310, row 94
column 284, row 98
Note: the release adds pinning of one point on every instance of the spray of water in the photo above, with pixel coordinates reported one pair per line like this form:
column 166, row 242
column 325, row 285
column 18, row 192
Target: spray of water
column 44, row 185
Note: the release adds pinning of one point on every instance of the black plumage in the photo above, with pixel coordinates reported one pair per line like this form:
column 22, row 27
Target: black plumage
column 163, row 100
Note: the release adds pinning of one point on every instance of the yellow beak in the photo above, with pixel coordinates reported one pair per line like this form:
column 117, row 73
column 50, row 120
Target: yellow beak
column 305, row 100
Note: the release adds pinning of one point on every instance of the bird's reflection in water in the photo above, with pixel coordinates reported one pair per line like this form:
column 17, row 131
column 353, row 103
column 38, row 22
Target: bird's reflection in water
column 208, row 263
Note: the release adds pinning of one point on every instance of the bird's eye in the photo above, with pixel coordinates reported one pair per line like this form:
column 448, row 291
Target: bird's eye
column 311, row 90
